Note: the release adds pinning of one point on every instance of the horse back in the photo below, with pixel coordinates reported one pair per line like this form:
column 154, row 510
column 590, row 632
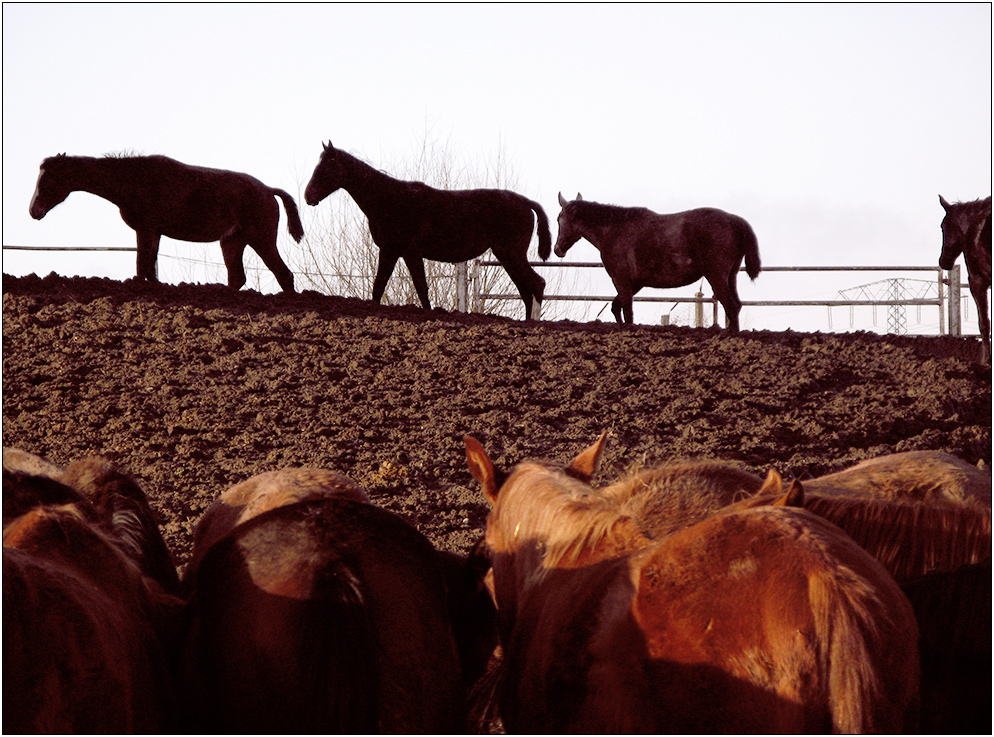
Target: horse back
column 783, row 621
column 327, row 614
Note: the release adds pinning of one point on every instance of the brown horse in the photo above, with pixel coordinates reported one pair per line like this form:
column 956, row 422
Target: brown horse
column 159, row 196
column 87, row 635
column 413, row 221
column 323, row 615
column 754, row 620
column 966, row 229
column 641, row 248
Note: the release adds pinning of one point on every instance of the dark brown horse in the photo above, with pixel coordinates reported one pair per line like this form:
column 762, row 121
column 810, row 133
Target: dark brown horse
column 641, row 248
column 966, row 229
column 327, row 615
column 413, row 221
column 87, row 627
column 159, row 196
column 754, row 620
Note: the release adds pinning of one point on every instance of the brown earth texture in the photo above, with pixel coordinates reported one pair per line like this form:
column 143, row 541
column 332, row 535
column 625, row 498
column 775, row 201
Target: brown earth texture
column 194, row 388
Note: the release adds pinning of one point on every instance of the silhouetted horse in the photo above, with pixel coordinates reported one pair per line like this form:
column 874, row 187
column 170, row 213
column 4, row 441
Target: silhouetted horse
column 966, row 229
column 327, row 615
column 753, row 620
column 159, row 196
column 641, row 248
column 413, row 221
column 87, row 636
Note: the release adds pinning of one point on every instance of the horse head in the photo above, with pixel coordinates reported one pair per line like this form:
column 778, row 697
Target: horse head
column 52, row 188
column 568, row 232
column 953, row 232
column 328, row 176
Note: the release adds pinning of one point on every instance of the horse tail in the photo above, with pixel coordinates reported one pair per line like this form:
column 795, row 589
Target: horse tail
column 544, row 236
column 869, row 688
column 293, row 217
column 750, row 249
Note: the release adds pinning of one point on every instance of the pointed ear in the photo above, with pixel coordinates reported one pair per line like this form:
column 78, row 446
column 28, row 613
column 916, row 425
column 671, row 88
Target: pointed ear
column 585, row 465
column 562, row 200
column 579, row 196
column 794, row 496
column 481, row 468
column 942, row 201
column 328, row 146
column 772, row 486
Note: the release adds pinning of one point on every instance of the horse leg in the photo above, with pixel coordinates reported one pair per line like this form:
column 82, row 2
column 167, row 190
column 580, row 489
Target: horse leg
column 979, row 291
column 621, row 306
column 232, row 248
column 416, row 265
column 384, row 268
column 148, row 254
column 270, row 256
column 530, row 285
column 726, row 293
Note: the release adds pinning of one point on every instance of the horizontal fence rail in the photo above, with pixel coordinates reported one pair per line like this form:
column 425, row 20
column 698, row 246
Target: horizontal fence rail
column 949, row 290
column 469, row 296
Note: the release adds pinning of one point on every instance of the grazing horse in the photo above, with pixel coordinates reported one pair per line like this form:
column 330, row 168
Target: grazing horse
column 966, row 229
column 641, row 248
column 87, row 634
column 159, row 196
column 413, row 221
column 753, row 620
column 322, row 615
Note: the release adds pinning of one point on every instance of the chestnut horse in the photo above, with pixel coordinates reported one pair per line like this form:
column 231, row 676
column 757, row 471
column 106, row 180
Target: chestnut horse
column 413, row 221
column 754, row 620
column 159, row 196
column 87, row 634
column 641, row 248
column 328, row 614
column 966, row 229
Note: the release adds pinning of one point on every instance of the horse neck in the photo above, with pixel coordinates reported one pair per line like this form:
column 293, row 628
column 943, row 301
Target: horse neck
column 372, row 190
column 600, row 236
column 102, row 177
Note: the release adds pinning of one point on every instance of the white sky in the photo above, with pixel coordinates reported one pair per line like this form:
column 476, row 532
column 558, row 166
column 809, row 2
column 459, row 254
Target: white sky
column 832, row 128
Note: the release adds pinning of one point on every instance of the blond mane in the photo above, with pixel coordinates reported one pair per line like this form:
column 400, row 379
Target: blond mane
column 543, row 503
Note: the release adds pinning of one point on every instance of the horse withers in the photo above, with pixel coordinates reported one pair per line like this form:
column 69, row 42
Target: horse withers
column 966, row 229
column 641, row 248
column 753, row 620
column 413, row 221
column 159, row 196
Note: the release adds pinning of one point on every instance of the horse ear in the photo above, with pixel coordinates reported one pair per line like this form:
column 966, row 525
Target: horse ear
column 942, row 201
column 794, row 496
column 585, row 464
column 328, row 146
column 481, row 467
column 562, row 200
column 772, row 486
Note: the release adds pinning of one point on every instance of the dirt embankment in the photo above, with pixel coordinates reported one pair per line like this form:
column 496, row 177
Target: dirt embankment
column 195, row 388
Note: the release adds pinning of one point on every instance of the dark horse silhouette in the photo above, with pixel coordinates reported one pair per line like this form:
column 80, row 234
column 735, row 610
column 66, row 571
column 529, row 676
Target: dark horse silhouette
column 966, row 229
column 641, row 248
column 159, row 196
column 413, row 221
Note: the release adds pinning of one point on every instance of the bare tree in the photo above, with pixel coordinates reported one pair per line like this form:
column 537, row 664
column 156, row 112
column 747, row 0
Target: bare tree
column 338, row 256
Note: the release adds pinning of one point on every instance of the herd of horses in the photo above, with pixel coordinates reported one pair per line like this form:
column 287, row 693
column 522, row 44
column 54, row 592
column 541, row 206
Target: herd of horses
column 690, row 597
column 408, row 220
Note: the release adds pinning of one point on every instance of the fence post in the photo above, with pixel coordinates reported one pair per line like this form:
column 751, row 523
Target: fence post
column 462, row 286
column 943, row 328
column 955, row 327
column 699, row 310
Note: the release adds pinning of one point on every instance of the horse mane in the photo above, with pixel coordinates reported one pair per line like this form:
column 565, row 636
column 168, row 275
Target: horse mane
column 597, row 214
column 566, row 516
column 672, row 496
column 910, row 539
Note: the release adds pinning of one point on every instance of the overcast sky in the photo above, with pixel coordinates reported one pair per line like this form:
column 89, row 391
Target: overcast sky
column 831, row 128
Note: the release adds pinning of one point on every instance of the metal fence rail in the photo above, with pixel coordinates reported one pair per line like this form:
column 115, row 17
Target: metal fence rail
column 948, row 288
